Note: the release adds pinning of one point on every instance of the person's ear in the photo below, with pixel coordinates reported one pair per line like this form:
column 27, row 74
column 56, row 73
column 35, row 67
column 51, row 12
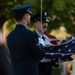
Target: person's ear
column 24, row 16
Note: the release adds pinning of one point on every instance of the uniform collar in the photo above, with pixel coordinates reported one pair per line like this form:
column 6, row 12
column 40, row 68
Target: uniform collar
column 40, row 35
column 22, row 25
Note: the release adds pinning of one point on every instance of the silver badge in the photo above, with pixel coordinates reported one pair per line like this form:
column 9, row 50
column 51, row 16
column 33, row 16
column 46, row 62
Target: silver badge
column 45, row 14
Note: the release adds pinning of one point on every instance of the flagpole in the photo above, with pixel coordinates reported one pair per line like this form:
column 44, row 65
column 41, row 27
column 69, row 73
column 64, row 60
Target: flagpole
column 41, row 14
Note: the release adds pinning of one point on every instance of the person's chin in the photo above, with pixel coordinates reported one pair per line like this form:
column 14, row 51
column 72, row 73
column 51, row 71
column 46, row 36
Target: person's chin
column 45, row 29
column 28, row 22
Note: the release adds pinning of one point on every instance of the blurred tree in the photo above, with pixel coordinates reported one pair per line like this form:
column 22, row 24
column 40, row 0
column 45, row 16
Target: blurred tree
column 60, row 12
column 5, row 13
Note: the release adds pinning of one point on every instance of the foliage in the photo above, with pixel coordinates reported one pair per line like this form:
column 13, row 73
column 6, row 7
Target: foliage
column 60, row 12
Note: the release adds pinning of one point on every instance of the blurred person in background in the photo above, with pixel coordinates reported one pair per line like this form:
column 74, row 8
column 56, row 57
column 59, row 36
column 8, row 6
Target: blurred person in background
column 5, row 67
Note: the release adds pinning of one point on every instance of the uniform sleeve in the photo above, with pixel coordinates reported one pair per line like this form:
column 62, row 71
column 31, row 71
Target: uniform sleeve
column 37, row 50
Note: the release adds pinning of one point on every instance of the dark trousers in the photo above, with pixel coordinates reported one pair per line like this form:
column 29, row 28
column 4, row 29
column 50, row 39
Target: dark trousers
column 45, row 68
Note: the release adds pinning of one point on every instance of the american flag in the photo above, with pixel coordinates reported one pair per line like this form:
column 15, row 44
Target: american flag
column 62, row 51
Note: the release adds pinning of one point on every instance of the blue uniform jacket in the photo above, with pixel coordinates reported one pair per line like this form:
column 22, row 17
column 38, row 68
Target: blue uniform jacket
column 24, row 50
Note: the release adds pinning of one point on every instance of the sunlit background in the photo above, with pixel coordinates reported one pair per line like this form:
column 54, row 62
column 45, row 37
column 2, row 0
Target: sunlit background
column 61, row 16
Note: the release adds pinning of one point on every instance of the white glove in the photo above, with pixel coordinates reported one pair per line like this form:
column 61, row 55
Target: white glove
column 41, row 41
column 47, row 41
